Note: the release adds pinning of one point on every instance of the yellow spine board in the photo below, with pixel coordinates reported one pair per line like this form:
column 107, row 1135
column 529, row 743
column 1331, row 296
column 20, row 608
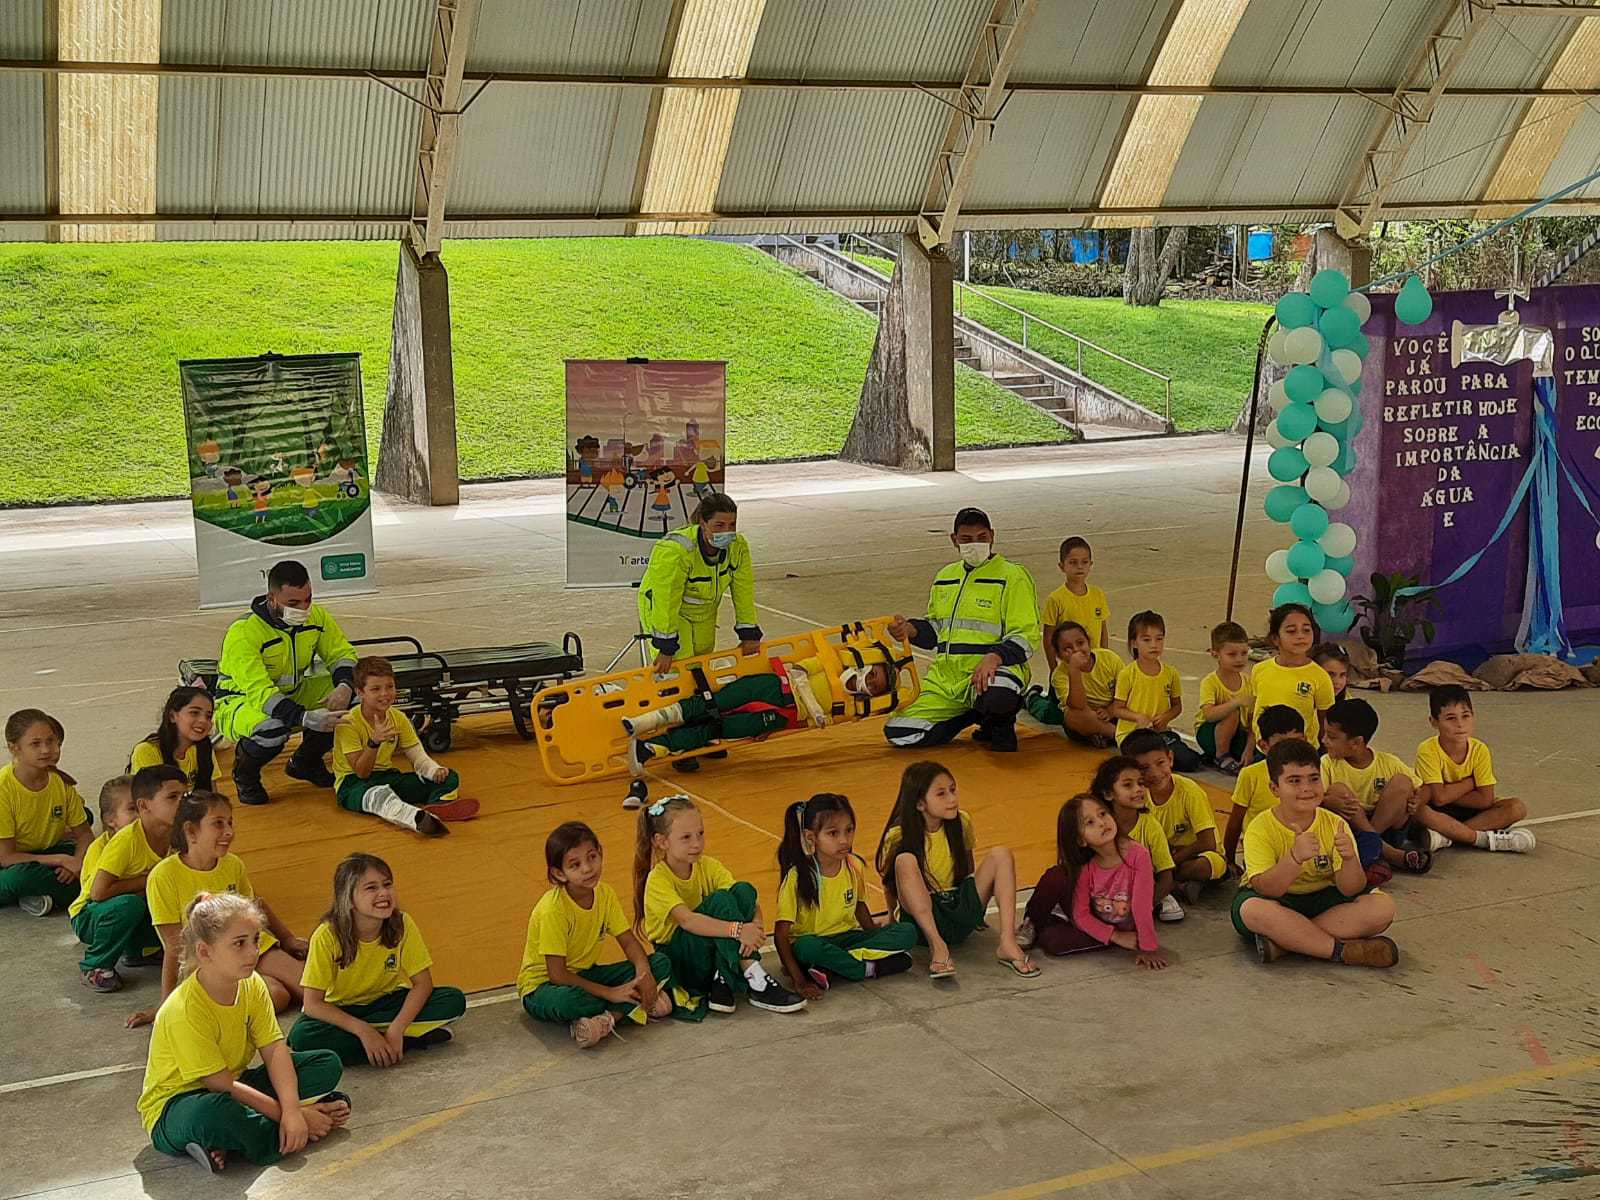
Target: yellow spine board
column 578, row 725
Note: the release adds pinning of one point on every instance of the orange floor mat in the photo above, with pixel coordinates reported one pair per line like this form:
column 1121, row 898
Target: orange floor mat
column 471, row 891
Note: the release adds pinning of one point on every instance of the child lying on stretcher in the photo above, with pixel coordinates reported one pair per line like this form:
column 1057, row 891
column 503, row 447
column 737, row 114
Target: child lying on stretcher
column 752, row 707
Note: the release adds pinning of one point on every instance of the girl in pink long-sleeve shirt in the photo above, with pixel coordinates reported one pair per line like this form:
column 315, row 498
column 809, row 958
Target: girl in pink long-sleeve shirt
column 1104, row 880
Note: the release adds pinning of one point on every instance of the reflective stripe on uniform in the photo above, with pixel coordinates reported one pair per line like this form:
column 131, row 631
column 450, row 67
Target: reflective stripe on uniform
column 906, row 731
column 990, row 627
column 1003, row 679
column 680, row 540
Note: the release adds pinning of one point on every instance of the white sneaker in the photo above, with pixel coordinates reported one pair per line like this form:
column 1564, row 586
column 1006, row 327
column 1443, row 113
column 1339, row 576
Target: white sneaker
column 1170, row 909
column 1518, row 841
column 638, row 792
column 1437, row 841
column 37, row 906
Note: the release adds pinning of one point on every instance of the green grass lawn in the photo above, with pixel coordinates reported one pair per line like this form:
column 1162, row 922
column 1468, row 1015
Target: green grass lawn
column 1207, row 346
column 92, row 335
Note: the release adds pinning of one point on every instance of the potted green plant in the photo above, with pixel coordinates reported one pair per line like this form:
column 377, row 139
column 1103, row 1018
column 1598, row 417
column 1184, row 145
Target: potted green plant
column 1390, row 621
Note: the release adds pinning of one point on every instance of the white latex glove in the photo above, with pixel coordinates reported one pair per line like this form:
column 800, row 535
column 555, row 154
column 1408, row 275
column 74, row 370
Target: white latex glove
column 320, row 720
column 339, row 699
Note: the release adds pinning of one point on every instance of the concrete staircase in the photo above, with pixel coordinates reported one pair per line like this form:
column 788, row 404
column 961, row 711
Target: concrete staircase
column 1089, row 408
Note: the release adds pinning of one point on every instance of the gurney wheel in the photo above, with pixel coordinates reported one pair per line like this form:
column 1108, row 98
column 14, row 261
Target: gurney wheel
column 436, row 738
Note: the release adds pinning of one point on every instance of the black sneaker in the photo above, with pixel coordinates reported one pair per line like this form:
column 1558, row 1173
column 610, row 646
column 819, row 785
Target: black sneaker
column 247, row 786
column 891, row 964
column 720, row 998
column 774, row 997
column 434, row 1037
column 717, row 754
column 686, row 766
column 314, row 773
column 150, row 958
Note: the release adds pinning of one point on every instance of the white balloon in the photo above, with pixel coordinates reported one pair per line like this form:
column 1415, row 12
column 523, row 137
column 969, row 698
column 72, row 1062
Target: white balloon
column 1339, row 500
column 1334, row 405
column 1322, row 484
column 1358, row 303
column 1303, row 345
column 1278, row 396
column 1347, row 363
column 1278, row 567
column 1326, row 586
column 1275, row 437
column 1275, row 347
column 1321, row 448
column 1338, row 541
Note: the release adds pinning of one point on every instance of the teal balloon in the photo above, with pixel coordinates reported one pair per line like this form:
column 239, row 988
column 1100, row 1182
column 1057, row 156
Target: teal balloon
column 1309, row 521
column 1343, row 563
column 1413, row 305
column 1295, row 310
column 1291, row 593
column 1339, row 429
column 1306, row 559
column 1329, row 288
column 1297, row 422
column 1340, row 326
column 1304, row 384
column 1287, row 465
column 1282, row 502
column 1360, row 346
column 1333, row 618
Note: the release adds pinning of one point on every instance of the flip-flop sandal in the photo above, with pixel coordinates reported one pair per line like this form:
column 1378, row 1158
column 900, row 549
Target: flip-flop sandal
column 1031, row 971
column 936, row 971
column 459, row 809
column 203, row 1156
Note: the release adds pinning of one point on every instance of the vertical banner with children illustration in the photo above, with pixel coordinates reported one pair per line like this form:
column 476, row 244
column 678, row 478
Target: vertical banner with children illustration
column 644, row 443
column 278, row 469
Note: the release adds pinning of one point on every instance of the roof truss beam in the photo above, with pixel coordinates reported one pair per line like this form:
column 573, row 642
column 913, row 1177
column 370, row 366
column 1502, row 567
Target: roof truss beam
column 978, row 104
column 1398, row 130
column 440, row 129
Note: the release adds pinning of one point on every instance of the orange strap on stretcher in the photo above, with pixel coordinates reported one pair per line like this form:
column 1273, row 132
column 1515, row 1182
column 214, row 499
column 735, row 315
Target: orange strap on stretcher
column 578, row 724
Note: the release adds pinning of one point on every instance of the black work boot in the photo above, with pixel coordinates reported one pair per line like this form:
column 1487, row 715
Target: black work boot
column 999, row 733
column 307, row 764
column 247, row 776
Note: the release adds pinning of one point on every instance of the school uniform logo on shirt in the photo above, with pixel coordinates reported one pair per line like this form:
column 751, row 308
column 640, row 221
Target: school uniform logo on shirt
column 1323, row 862
column 57, row 812
column 390, row 963
column 233, row 887
column 849, row 895
column 1181, row 827
column 1302, row 688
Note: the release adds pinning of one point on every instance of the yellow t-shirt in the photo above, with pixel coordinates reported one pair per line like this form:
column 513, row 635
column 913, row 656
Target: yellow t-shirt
column 1435, row 766
column 376, row 971
column 1099, row 682
column 148, row 754
column 173, row 885
column 1308, row 690
column 350, row 739
column 1366, row 782
column 1269, row 839
column 664, row 891
column 1214, row 691
column 127, row 854
column 194, row 1036
column 1252, row 791
column 835, row 910
column 91, row 864
column 1149, row 695
column 558, row 925
column 938, row 863
column 1186, row 814
column 38, row 821
column 1089, row 610
column 1148, row 833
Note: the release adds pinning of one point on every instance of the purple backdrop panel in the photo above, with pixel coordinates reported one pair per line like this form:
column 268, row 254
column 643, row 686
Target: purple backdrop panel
column 1577, row 324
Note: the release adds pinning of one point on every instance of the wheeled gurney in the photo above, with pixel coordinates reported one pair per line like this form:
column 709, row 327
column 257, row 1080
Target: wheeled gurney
column 436, row 688
column 578, row 724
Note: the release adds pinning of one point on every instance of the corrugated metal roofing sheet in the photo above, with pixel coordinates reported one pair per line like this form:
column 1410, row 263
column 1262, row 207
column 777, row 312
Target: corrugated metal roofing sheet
column 577, row 37
column 1579, row 154
column 1334, row 43
column 1048, row 150
column 1107, row 40
column 831, row 150
column 560, row 150
column 370, row 34
column 22, row 29
column 22, row 143
column 1284, row 150
column 252, row 146
column 1457, row 151
column 886, row 39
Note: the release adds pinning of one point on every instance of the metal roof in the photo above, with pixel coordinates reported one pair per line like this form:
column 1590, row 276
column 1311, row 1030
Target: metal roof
column 300, row 118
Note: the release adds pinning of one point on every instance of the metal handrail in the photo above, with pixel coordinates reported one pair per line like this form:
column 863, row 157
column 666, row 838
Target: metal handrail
column 817, row 254
column 1027, row 317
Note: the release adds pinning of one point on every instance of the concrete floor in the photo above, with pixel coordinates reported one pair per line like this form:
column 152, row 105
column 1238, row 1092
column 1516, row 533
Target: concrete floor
column 1469, row 1071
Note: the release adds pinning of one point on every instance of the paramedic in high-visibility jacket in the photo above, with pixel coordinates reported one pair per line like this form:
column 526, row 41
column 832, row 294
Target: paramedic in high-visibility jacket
column 983, row 622
column 285, row 666
column 690, row 570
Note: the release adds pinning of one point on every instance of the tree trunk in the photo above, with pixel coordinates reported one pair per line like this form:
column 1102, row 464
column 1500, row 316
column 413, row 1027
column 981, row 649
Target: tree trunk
column 1147, row 272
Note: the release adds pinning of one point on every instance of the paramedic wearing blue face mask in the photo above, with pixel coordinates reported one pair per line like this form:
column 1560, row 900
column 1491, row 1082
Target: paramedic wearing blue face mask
column 690, row 570
column 983, row 623
column 285, row 667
